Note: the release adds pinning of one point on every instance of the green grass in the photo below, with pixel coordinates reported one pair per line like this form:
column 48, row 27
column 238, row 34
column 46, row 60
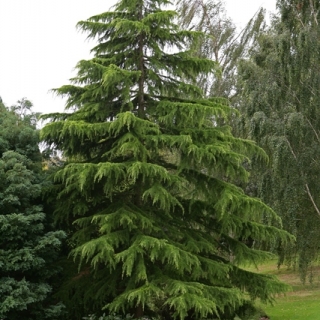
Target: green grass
column 295, row 309
column 302, row 303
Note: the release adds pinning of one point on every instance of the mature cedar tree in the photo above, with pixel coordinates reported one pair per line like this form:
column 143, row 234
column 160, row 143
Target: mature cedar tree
column 148, row 177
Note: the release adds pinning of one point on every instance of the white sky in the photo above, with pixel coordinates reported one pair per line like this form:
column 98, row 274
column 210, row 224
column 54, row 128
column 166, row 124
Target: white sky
column 40, row 46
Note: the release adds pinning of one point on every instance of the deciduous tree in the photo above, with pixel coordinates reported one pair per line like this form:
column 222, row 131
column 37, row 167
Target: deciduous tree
column 221, row 42
column 281, row 112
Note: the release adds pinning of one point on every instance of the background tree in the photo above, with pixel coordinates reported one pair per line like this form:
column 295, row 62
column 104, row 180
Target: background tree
column 156, row 228
column 28, row 247
column 281, row 112
column 221, row 42
column 23, row 109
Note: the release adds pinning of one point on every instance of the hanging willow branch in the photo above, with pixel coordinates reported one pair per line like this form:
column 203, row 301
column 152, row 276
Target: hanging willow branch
column 306, row 185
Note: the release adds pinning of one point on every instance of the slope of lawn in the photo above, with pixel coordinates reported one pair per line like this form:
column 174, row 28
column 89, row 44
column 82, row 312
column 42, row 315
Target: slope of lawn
column 302, row 303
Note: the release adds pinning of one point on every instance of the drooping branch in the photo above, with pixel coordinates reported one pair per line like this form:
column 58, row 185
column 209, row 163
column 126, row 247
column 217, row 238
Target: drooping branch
column 312, row 200
column 291, row 149
column 306, row 184
column 314, row 130
column 313, row 12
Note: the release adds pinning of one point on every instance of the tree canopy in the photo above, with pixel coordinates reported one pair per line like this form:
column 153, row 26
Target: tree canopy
column 28, row 246
column 159, row 225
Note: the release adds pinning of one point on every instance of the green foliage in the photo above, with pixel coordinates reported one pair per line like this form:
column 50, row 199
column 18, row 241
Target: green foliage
column 156, row 220
column 280, row 111
column 27, row 248
column 18, row 133
column 109, row 317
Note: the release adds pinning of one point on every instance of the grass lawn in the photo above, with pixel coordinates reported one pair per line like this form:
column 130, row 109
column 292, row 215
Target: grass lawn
column 302, row 303
column 295, row 309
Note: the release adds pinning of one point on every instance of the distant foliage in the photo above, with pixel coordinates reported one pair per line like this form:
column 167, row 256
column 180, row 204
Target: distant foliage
column 221, row 42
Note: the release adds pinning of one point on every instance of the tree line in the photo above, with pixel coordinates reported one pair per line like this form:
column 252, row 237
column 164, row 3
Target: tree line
column 187, row 151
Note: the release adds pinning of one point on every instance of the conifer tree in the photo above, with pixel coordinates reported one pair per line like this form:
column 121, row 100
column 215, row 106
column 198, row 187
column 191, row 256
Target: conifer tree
column 28, row 246
column 159, row 225
column 280, row 106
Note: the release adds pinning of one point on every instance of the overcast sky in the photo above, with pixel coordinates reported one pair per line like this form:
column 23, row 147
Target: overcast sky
column 40, row 46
